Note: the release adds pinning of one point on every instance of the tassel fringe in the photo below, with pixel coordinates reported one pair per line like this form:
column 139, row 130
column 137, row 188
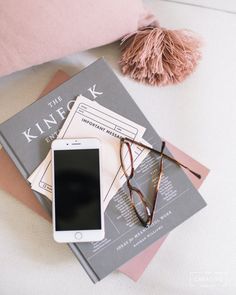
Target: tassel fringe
column 158, row 56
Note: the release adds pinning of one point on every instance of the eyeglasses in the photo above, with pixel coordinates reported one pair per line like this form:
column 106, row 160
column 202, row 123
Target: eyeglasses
column 138, row 202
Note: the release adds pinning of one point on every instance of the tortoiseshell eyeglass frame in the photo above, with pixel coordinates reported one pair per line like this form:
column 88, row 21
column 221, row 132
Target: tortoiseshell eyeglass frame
column 146, row 222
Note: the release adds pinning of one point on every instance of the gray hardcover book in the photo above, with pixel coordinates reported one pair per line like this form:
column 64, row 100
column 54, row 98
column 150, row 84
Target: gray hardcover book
column 27, row 137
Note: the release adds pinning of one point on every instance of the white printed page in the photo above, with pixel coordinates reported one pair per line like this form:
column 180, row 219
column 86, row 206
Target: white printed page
column 89, row 119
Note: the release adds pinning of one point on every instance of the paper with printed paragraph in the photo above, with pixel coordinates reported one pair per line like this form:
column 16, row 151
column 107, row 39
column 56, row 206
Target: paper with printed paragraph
column 89, row 119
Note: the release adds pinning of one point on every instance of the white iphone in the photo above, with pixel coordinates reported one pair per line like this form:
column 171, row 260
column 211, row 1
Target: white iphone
column 77, row 190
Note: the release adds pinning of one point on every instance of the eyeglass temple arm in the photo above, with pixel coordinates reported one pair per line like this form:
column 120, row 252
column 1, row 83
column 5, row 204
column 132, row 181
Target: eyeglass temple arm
column 180, row 164
column 159, row 181
column 165, row 156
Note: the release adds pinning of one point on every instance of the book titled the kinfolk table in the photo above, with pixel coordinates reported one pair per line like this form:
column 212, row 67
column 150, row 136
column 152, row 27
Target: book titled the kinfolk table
column 27, row 136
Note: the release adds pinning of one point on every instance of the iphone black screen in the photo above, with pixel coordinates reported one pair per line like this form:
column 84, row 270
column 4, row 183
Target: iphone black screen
column 77, row 189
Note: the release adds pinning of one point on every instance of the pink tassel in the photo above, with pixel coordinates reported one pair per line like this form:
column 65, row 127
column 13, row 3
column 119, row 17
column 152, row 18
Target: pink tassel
column 158, row 56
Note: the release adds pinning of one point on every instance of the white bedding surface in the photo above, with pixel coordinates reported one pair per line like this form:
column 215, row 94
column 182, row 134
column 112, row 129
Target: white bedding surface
column 198, row 116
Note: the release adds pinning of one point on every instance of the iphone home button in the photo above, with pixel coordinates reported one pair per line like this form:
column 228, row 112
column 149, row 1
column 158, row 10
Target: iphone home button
column 78, row 236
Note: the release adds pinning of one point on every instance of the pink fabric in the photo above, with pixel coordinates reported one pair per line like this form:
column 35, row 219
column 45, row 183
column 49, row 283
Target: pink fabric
column 33, row 32
column 160, row 57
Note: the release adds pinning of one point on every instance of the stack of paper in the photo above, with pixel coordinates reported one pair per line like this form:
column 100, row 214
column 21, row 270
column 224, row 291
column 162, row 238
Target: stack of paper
column 88, row 119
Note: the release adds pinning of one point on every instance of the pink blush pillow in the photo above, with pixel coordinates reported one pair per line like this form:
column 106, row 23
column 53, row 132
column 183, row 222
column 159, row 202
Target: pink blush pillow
column 33, row 32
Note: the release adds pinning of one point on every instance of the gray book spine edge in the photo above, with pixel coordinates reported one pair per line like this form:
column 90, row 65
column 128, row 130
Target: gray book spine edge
column 46, row 204
column 86, row 266
column 42, row 200
column 13, row 156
